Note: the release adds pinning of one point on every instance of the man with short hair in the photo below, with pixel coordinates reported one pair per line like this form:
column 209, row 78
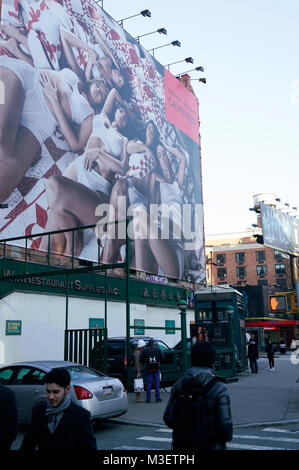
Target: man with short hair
column 59, row 424
column 151, row 356
column 201, row 379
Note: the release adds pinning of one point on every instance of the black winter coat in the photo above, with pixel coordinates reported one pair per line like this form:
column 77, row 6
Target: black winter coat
column 218, row 400
column 8, row 418
column 270, row 349
column 151, row 352
column 253, row 352
column 74, row 431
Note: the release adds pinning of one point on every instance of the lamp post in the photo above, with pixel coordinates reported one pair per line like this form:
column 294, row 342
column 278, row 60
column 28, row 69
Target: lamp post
column 229, row 310
column 143, row 13
column 160, row 31
column 182, row 305
column 198, row 69
column 173, row 43
column 189, row 60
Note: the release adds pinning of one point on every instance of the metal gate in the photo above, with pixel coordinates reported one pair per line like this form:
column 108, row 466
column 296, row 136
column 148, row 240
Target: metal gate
column 87, row 347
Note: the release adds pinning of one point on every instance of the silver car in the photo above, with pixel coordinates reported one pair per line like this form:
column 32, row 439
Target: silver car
column 103, row 396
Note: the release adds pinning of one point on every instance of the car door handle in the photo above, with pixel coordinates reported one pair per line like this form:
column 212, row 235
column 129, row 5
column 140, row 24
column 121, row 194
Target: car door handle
column 34, row 390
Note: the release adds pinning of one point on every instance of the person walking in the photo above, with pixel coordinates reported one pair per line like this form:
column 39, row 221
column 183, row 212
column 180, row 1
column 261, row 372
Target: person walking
column 206, row 428
column 8, row 418
column 58, row 423
column 138, row 366
column 282, row 346
column 151, row 356
column 270, row 350
column 253, row 354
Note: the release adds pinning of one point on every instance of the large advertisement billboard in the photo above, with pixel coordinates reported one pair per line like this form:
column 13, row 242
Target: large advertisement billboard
column 93, row 129
column 280, row 230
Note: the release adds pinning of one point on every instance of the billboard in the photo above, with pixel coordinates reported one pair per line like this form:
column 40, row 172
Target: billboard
column 280, row 230
column 96, row 130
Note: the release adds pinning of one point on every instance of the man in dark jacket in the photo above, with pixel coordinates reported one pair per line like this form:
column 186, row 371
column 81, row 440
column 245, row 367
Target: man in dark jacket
column 203, row 377
column 253, row 354
column 59, row 424
column 151, row 356
column 8, row 418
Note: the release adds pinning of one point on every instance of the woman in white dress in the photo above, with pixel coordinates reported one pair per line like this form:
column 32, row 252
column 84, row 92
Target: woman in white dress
column 87, row 182
column 35, row 103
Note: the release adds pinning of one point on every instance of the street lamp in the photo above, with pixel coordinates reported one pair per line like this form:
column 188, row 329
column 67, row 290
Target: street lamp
column 182, row 305
column 143, row 13
column 203, row 80
column 173, row 43
column 189, row 60
column 160, row 31
column 198, row 69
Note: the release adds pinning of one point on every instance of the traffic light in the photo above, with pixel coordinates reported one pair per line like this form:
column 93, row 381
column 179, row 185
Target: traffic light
column 294, row 306
column 277, row 303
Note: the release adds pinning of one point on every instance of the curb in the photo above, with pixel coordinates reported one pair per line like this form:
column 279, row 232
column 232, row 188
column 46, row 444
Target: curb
column 132, row 422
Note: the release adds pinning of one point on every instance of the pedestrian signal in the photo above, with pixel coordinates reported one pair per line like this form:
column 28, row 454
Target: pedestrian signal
column 277, row 303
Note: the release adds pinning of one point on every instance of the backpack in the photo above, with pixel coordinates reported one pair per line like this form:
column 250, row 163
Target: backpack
column 192, row 419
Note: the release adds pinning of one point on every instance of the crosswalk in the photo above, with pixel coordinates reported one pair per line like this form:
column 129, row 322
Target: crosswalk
column 268, row 438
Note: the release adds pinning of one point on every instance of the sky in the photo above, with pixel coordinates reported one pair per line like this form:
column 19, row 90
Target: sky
column 249, row 107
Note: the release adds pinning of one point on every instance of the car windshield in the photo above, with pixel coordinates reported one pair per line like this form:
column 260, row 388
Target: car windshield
column 83, row 373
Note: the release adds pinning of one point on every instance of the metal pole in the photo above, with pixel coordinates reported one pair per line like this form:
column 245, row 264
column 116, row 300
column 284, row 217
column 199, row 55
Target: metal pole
column 67, row 303
column 128, row 333
column 184, row 341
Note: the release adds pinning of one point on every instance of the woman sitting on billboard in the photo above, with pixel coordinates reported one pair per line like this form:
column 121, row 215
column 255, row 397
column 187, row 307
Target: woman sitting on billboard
column 101, row 64
column 136, row 186
column 168, row 253
column 87, row 181
column 36, row 102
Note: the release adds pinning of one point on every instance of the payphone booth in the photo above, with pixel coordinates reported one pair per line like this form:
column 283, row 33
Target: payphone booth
column 217, row 316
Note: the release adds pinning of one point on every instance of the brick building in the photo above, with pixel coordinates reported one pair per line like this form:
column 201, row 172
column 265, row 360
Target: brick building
column 237, row 259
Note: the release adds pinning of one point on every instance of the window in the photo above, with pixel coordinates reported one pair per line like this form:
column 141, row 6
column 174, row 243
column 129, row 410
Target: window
column 278, row 255
column 261, row 270
column 6, row 375
column 241, row 271
column 240, row 257
column 280, row 269
column 29, row 376
column 221, row 273
column 282, row 282
column 260, row 256
column 221, row 259
column 262, row 282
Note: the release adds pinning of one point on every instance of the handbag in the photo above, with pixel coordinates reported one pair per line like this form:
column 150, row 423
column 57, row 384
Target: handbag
column 138, row 385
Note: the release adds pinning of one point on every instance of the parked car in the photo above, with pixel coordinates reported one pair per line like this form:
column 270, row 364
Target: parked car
column 117, row 361
column 103, row 396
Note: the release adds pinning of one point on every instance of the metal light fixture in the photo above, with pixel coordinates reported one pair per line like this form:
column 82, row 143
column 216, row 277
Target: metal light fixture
column 3, row 206
column 160, row 30
column 173, row 43
column 203, row 80
column 198, row 69
column 189, row 60
column 143, row 13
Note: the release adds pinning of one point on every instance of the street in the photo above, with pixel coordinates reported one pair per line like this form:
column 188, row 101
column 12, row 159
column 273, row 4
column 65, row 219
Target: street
column 265, row 410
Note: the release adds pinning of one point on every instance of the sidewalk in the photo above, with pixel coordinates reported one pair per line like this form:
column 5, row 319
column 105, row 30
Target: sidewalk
column 266, row 397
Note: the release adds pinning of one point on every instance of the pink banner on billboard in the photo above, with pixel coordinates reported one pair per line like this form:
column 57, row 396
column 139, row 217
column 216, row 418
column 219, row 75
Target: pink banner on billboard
column 181, row 106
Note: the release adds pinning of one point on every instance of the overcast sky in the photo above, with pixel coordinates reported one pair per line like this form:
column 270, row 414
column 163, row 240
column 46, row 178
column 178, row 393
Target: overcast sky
column 248, row 109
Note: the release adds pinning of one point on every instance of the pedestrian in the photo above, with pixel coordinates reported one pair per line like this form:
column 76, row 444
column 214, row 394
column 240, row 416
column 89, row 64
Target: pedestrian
column 253, row 354
column 8, row 418
column 270, row 350
column 201, row 334
column 151, row 356
column 138, row 366
column 282, row 346
column 58, row 423
column 293, row 344
column 199, row 409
